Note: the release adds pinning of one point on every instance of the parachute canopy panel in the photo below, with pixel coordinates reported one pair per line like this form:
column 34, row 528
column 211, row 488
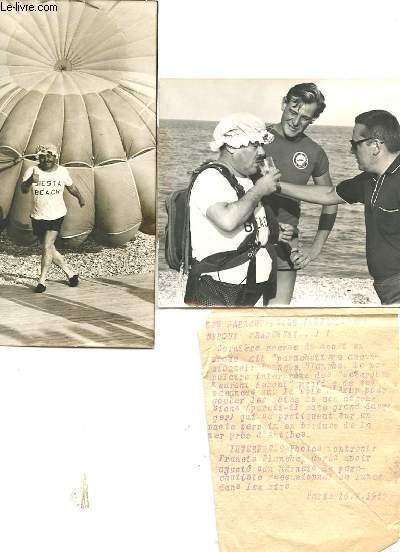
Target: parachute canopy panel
column 82, row 77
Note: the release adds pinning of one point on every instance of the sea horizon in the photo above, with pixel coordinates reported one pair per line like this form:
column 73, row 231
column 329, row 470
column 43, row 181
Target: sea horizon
column 209, row 121
column 184, row 145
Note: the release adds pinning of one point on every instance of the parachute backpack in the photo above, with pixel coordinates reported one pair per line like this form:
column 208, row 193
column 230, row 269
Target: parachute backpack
column 178, row 246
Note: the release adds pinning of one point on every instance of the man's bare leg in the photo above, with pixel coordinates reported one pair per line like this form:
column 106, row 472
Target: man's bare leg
column 59, row 261
column 284, row 289
column 47, row 254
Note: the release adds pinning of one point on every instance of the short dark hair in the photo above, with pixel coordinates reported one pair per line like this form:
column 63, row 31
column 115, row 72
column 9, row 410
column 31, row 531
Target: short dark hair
column 382, row 125
column 307, row 92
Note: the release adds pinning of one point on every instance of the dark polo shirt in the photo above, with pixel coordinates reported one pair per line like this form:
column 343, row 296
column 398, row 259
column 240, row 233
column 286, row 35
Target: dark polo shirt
column 381, row 198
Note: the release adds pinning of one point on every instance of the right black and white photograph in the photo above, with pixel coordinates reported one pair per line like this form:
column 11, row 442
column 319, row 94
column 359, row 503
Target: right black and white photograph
column 279, row 192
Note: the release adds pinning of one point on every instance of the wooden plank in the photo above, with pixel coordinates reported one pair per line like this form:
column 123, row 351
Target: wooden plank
column 102, row 312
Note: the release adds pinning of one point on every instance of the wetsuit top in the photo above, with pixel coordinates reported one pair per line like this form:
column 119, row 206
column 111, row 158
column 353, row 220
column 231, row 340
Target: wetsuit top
column 297, row 160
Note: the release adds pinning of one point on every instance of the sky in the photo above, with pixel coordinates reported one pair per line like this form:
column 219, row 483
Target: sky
column 212, row 99
column 347, row 48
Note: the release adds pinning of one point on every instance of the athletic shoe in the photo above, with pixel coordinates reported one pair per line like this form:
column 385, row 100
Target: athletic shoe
column 74, row 280
column 40, row 288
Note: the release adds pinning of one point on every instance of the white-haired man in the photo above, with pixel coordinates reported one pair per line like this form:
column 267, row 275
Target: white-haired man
column 47, row 181
column 231, row 227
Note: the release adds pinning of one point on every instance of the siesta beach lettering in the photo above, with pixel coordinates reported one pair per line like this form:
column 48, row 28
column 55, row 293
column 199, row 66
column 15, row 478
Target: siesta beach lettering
column 42, row 187
column 16, row 6
column 53, row 191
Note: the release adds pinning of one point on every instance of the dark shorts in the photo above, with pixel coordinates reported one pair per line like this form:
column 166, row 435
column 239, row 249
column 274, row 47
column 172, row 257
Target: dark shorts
column 40, row 227
column 388, row 290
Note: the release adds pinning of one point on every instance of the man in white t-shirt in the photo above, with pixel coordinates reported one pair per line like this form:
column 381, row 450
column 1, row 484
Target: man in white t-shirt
column 227, row 214
column 47, row 182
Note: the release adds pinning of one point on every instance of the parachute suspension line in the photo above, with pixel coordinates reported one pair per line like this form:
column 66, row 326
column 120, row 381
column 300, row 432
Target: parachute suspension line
column 115, row 122
column 38, row 111
column 136, row 190
column 63, row 64
column 119, row 91
column 142, row 152
column 63, row 130
column 136, row 225
column 76, row 90
column 102, row 31
column 68, row 54
column 90, row 127
column 106, row 32
column 116, row 2
column 132, row 92
column 53, row 26
column 86, row 2
column 9, row 99
column 38, row 40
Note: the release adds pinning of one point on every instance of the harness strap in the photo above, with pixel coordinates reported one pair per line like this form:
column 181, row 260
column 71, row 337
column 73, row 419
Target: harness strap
column 186, row 245
column 246, row 251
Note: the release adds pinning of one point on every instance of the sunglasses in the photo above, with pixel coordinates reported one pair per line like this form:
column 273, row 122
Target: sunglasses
column 355, row 143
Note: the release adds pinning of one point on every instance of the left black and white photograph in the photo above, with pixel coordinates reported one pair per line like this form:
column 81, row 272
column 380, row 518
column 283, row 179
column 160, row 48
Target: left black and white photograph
column 77, row 173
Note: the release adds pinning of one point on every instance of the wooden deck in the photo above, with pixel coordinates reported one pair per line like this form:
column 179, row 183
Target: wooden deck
column 101, row 312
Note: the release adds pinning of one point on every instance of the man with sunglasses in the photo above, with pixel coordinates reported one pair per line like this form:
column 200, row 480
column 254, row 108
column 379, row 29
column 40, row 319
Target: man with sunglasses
column 47, row 181
column 298, row 158
column 376, row 146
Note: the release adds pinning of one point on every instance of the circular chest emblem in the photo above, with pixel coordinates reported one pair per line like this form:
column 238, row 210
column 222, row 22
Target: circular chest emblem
column 300, row 160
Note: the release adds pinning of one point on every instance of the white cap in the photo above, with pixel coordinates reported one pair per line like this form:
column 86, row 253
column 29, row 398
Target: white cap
column 43, row 150
column 240, row 129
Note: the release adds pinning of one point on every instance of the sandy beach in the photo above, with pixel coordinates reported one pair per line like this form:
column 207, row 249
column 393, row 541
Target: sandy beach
column 309, row 291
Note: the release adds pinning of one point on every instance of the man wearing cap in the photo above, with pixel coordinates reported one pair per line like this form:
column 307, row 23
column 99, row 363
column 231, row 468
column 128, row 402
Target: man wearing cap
column 47, row 181
column 228, row 220
column 298, row 158
column 376, row 145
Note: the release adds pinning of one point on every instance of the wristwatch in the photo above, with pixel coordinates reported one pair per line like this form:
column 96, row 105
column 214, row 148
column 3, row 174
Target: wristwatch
column 278, row 188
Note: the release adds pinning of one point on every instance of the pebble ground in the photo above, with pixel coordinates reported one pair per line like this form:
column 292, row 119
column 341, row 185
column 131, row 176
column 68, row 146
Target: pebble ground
column 19, row 265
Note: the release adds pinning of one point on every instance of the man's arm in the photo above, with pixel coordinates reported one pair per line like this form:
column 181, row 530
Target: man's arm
column 26, row 184
column 73, row 190
column 326, row 221
column 322, row 195
column 229, row 216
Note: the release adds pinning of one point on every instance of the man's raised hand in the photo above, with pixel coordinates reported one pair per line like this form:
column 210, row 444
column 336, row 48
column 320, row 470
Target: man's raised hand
column 35, row 175
column 267, row 184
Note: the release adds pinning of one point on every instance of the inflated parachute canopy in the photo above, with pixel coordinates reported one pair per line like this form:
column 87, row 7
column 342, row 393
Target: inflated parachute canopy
column 83, row 78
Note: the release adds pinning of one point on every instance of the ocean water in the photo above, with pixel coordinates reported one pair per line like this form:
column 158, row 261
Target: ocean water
column 183, row 146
